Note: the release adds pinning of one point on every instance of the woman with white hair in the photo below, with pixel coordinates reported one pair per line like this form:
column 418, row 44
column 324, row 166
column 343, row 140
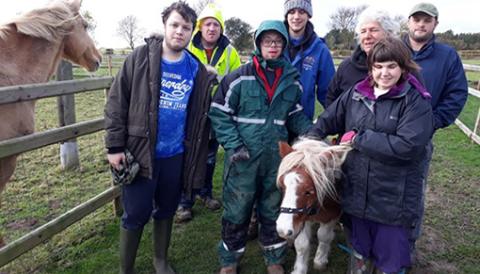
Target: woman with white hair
column 373, row 25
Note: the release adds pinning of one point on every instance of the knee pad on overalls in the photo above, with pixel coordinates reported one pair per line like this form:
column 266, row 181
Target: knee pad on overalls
column 268, row 235
column 234, row 235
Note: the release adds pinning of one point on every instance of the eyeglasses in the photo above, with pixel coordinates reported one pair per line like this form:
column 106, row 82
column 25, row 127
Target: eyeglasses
column 272, row 43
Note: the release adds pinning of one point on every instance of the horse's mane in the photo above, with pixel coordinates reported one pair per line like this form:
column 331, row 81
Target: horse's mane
column 320, row 160
column 50, row 23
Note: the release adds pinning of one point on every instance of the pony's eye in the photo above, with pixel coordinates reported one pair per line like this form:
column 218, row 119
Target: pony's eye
column 308, row 193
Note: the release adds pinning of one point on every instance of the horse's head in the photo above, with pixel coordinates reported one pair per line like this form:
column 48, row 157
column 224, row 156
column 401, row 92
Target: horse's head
column 79, row 47
column 306, row 176
column 61, row 30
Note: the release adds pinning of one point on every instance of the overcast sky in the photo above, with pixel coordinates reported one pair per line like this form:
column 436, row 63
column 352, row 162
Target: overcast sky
column 457, row 15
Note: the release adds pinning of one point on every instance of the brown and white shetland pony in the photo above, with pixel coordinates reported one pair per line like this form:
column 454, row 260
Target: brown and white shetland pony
column 31, row 47
column 306, row 177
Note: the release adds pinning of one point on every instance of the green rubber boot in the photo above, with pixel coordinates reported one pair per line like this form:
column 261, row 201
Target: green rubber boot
column 129, row 241
column 162, row 230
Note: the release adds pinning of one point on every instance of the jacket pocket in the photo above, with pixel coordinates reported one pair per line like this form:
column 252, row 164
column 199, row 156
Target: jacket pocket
column 137, row 143
column 252, row 101
column 387, row 191
column 289, row 96
column 137, row 131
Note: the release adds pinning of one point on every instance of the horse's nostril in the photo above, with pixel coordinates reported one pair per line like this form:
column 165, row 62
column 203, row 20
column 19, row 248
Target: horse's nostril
column 289, row 232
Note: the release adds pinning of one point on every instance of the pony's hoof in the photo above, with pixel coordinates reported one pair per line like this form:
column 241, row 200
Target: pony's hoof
column 320, row 266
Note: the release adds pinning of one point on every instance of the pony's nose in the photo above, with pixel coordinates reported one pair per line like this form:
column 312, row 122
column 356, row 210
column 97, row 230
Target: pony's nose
column 286, row 234
column 97, row 65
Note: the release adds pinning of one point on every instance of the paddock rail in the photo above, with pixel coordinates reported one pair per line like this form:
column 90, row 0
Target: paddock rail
column 472, row 134
column 37, row 140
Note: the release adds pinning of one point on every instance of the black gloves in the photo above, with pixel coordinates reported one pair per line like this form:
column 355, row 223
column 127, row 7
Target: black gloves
column 240, row 154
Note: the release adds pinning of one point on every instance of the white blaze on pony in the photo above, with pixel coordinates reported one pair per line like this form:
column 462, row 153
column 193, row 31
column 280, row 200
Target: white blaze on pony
column 306, row 178
column 31, row 47
column 285, row 221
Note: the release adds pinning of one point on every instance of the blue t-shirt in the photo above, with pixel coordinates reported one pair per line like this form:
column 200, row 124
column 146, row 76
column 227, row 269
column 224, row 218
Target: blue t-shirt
column 176, row 86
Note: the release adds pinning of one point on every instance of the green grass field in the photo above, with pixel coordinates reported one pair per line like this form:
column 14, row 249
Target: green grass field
column 472, row 62
column 40, row 191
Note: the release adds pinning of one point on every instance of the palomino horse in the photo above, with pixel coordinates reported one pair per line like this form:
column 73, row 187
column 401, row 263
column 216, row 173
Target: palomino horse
column 31, row 47
column 306, row 177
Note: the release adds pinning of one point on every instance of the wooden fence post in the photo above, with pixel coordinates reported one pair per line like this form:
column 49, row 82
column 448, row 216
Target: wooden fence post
column 66, row 115
column 109, row 53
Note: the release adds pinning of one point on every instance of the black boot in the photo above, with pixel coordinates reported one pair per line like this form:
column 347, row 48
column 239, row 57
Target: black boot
column 129, row 240
column 162, row 230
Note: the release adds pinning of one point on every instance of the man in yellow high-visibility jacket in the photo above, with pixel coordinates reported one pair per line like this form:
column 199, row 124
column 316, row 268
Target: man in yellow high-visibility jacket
column 214, row 50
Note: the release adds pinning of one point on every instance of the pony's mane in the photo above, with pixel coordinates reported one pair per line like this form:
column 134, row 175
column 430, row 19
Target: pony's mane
column 50, row 23
column 320, row 160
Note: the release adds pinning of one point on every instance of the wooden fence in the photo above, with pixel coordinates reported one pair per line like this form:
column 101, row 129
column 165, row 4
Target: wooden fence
column 40, row 139
column 472, row 133
column 111, row 61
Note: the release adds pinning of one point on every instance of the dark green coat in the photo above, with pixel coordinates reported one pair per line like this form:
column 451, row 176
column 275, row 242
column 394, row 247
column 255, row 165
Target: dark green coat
column 241, row 114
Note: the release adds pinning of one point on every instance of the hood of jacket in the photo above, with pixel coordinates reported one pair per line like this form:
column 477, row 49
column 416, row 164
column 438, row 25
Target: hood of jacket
column 359, row 58
column 309, row 37
column 210, row 11
column 222, row 42
column 424, row 52
column 268, row 25
column 366, row 88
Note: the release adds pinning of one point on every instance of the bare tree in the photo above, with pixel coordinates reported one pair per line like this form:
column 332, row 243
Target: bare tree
column 342, row 24
column 200, row 5
column 129, row 30
column 345, row 18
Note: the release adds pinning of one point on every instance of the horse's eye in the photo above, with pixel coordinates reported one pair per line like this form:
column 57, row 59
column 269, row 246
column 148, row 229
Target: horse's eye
column 308, row 193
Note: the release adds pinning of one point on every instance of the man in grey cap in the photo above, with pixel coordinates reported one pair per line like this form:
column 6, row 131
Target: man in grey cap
column 444, row 78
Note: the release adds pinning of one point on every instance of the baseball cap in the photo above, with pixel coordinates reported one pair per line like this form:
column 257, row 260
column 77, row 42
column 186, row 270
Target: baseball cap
column 427, row 8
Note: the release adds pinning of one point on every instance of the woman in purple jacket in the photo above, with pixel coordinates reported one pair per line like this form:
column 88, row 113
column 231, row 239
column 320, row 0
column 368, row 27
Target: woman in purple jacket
column 388, row 121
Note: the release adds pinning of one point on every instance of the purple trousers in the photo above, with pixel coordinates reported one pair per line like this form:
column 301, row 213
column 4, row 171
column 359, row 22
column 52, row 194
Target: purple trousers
column 386, row 245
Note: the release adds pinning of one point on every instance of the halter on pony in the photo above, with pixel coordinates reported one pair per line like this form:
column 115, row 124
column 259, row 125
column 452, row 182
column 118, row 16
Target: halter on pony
column 307, row 176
